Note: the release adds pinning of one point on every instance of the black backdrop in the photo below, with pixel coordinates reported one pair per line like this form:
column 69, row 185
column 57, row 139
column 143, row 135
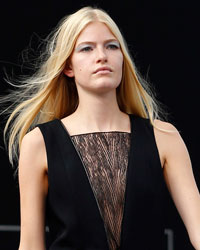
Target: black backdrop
column 163, row 39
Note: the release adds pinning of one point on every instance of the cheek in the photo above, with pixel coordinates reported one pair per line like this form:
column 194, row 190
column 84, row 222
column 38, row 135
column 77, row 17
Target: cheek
column 78, row 67
column 81, row 71
column 118, row 59
column 81, row 64
column 121, row 60
column 77, row 64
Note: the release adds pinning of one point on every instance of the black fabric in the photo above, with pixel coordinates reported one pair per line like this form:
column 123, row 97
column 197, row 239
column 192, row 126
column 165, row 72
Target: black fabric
column 73, row 215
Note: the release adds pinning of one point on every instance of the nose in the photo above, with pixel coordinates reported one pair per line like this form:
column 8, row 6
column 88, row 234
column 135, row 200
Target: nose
column 101, row 55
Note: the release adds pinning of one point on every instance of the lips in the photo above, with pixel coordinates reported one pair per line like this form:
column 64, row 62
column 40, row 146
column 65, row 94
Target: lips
column 105, row 68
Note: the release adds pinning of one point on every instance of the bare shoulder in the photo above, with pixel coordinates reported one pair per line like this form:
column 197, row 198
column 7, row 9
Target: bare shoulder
column 166, row 131
column 168, row 139
column 165, row 126
column 32, row 150
column 33, row 138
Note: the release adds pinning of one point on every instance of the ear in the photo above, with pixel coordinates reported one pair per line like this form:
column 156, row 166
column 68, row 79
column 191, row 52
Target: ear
column 68, row 71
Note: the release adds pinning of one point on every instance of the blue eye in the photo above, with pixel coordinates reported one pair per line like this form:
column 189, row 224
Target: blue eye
column 86, row 49
column 113, row 46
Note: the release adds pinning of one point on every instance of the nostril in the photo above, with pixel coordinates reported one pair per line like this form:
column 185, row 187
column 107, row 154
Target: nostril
column 102, row 59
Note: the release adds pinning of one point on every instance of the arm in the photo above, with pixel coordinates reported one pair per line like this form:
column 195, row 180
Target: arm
column 33, row 189
column 179, row 178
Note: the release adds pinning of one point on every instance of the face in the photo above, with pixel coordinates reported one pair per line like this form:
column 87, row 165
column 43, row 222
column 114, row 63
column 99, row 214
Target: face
column 96, row 61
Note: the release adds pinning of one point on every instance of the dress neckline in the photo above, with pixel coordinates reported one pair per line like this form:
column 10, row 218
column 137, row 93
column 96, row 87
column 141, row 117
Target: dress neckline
column 106, row 132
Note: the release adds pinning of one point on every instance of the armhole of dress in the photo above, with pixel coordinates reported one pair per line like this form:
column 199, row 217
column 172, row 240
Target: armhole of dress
column 45, row 144
column 156, row 144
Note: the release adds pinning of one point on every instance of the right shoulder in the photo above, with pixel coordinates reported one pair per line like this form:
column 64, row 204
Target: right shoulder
column 32, row 149
column 33, row 138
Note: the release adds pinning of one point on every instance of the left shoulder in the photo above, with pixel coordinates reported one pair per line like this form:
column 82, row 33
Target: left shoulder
column 168, row 140
column 166, row 130
column 165, row 126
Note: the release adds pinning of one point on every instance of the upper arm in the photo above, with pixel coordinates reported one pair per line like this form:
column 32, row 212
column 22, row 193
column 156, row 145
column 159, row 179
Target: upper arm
column 179, row 177
column 33, row 189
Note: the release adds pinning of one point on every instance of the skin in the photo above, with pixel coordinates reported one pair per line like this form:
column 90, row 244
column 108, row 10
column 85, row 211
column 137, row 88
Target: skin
column 97, row 92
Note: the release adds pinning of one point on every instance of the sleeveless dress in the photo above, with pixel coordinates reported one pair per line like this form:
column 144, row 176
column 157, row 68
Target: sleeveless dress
column 105, row 188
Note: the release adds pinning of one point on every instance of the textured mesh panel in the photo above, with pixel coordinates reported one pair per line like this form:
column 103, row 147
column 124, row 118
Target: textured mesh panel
column 105, row 156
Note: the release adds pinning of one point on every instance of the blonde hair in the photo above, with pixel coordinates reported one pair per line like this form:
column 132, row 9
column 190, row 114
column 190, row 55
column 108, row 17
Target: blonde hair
column 49, row 94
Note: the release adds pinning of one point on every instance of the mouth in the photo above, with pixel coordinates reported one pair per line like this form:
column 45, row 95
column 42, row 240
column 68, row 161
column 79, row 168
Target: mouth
column 103, row 70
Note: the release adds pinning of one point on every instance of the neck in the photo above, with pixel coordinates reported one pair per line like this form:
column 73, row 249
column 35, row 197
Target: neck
column 101, row 113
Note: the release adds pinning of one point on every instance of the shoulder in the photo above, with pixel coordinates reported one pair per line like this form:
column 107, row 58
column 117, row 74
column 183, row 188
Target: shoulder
column 33, row 139
column 166, row 130
column 32, row 150
column 168, row 139
column 165, row 125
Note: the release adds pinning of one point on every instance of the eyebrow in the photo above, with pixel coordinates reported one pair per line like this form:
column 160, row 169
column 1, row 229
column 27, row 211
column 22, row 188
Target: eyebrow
column 90, row 42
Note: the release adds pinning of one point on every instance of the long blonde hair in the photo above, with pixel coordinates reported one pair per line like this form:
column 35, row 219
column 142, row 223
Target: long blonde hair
column 49, row 94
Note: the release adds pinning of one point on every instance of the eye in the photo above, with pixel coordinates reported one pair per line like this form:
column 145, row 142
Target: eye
column 113, row 46
column 86, row 49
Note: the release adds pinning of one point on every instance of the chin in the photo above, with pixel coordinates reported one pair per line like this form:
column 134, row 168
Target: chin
column 105, row 89
column 107, row 84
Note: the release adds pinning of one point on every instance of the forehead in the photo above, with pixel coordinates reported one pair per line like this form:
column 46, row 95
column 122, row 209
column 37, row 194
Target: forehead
column 94, row 32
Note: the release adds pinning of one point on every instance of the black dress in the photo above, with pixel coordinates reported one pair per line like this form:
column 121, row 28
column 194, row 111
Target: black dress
column 105, row 188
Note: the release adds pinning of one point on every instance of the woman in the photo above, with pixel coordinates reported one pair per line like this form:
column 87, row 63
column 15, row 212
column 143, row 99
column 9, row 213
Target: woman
column 99, row 156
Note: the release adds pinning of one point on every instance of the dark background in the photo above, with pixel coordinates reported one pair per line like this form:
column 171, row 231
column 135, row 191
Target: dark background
column 163, row 37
